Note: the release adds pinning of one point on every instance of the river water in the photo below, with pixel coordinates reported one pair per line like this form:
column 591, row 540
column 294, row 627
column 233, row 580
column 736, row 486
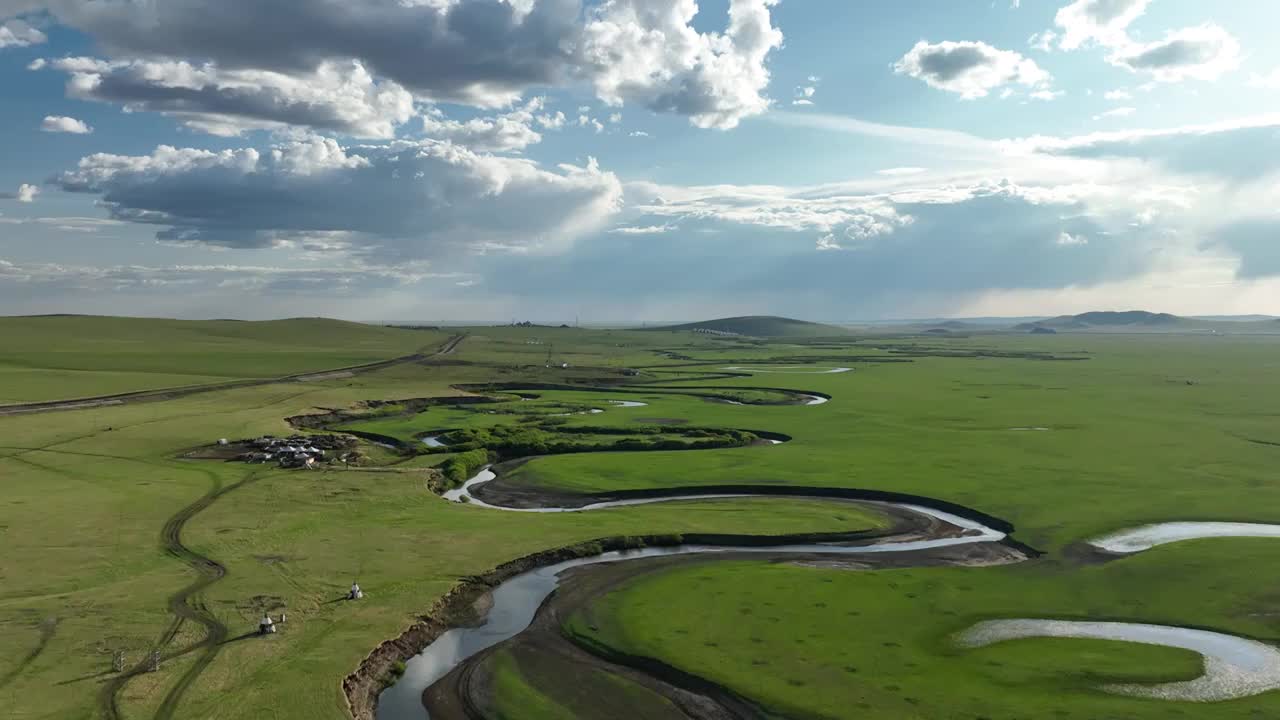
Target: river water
column 1233, row 667
column 517, row 600
column 1149, row 536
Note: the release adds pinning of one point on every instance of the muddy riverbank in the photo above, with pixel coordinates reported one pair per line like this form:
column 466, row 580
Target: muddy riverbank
column 918, row 535
column 465, row 604
column 464, row 693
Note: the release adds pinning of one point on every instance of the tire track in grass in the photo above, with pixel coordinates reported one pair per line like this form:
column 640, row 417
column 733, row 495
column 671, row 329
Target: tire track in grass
column 47, row 630
column 186, row 605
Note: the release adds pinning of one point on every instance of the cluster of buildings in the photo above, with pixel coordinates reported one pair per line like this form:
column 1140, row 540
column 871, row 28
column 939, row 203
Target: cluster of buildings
column 297, row 451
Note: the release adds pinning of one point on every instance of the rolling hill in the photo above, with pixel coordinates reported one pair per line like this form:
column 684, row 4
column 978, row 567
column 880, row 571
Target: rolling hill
column 1141, row 321
column 761, row 326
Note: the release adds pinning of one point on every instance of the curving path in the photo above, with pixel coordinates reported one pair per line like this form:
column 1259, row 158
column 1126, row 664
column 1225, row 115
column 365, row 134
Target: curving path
column 48, row 629
column 186, row 605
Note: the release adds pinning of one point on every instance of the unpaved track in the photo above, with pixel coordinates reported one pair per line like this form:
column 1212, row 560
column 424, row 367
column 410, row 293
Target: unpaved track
column 186, row 605
column 100, row 401
column 47, row 630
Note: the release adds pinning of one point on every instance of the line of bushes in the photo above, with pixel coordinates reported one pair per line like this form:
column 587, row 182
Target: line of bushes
column 510, row 441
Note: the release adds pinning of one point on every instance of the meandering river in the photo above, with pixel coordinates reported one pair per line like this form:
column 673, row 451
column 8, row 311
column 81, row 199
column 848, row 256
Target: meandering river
column 517, row 600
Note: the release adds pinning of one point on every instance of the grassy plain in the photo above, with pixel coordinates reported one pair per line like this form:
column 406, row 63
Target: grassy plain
column 824, row 643
column 55, row 358
column 1146, row 429
column 87, row 493
column 85, row 571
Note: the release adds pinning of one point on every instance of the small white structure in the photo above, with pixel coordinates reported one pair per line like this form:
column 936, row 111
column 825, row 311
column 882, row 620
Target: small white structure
column 223, row 441
column 356, row 593
column 266, row 625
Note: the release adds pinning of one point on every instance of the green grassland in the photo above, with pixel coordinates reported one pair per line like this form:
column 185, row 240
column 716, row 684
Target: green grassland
column 1147, row 429
column 55, row 358
column 530, row 688
column 878, row 644
column 87, row 493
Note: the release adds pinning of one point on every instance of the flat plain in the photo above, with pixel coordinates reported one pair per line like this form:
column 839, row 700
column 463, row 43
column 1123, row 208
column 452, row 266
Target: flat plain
column 115, row 541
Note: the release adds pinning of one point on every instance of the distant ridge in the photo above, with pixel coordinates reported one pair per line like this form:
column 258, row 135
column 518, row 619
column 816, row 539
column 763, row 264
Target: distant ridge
column 1141, row 321
column 1109, row 320
column 759, row 326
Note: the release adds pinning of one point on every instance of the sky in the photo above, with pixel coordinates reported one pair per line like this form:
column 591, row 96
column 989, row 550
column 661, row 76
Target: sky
column 638, row 160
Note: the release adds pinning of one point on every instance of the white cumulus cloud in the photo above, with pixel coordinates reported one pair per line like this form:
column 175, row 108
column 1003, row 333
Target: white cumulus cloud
column 648, row 51
column 402, row 198
column 508, row 132
column 1102, row 22
column 1203, row 52
column 19, row 33
column 337, row 96
column 26, row 193
column 970, row 69
column 484, row 53
column 63, row 124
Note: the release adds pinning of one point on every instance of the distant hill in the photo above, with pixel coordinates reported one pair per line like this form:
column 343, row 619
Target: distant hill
column 1130, row 320
column 1141, row 321
column 760, row 326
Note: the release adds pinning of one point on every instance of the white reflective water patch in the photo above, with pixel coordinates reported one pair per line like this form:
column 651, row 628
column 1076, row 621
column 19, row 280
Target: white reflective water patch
column 792, row 369
column 1148, row 536
column 1234, row 667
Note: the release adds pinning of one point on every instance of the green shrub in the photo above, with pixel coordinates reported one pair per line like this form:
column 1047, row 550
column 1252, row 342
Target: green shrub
column 462, row 466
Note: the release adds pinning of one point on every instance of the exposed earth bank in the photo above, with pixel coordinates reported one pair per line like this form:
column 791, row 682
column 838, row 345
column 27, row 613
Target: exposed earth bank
column 465, row 693
column 466, row 603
